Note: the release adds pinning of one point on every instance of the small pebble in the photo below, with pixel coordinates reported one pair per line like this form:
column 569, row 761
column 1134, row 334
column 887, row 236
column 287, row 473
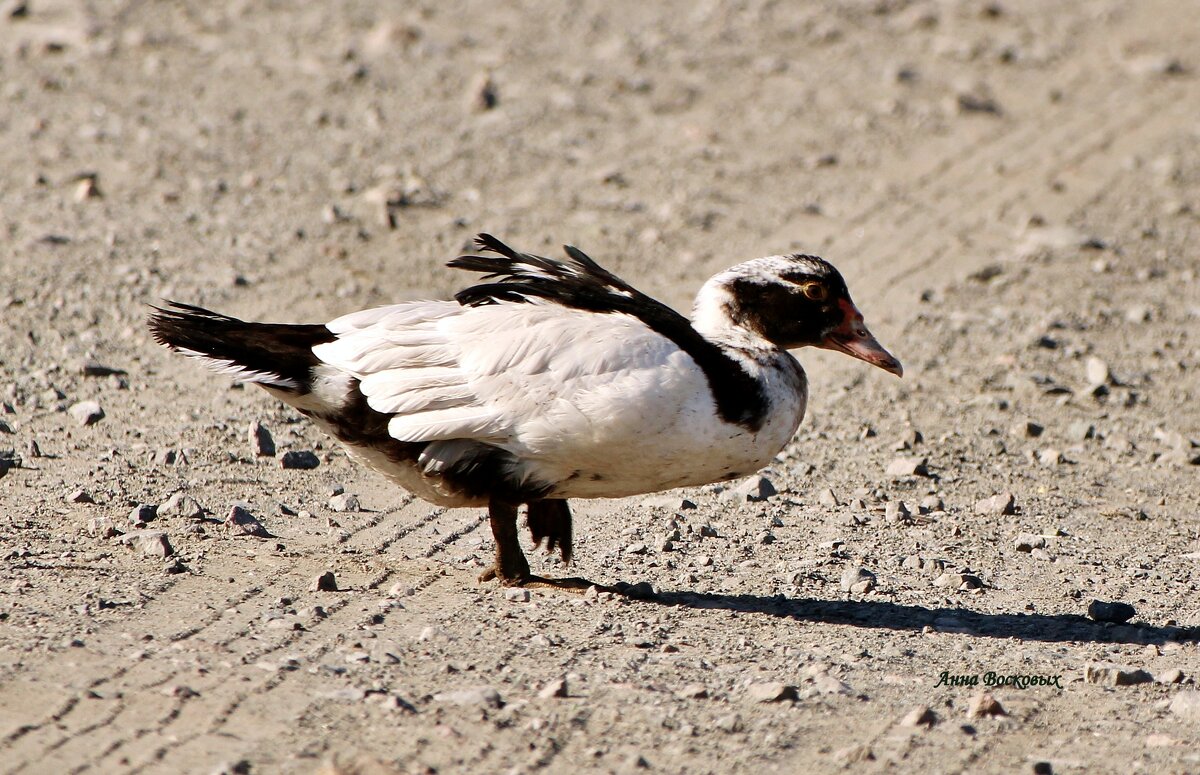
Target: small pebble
column 907, row 466
column 151, row 543
column 261, row 442
column 1153, row 64
column 326, row 582
column 1115, row 675
column 970, row 581
column 931, row 503
column 344, row 502
column 242, row 522
column 1027, row 542
column 236, row 767
column 773, row 691
column 87, row 412
column 1028, row 430
column 983, row 705
column 143, row 513
column 483, row 695
column 1139, row 313
column 14, row 9
column 433, row 633
column 1080, row 430
column 920, row 716
column 857, row 579
column 896, row 512
column 1097, row 372
column 997, row 505
column 91, row 368
column 825, row 683
column 1171, row 676
column 756, row 488
column 909, row 439
column 556, row 688
column 976, row 99
column 303, row 460
column 181, row 505
column 483, row 94
column 854, row 754
column 516, row 595
column 102, row 527
column 87, row 188
column 949, row 580
column 1118, row 613
column 1186, row 704
column 1050, row 457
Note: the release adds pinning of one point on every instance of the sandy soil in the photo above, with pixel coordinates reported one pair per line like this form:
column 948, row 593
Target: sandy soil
column 1011, row 188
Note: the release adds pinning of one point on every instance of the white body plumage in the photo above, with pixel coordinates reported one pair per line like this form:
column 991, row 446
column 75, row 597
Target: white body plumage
column 596, row 405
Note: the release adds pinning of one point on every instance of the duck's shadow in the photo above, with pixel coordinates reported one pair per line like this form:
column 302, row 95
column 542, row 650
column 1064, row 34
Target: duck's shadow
column 1052, row 628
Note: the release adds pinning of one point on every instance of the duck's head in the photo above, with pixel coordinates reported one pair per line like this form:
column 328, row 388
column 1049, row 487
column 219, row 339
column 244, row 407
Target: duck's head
column 791, row 301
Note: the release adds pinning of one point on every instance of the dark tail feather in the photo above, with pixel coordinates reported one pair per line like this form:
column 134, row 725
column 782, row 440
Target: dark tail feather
column 486, row 241
column 510, row 263
column 272, row 354
column 551, row 520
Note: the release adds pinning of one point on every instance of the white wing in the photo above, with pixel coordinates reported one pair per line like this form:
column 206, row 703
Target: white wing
column 531, row 378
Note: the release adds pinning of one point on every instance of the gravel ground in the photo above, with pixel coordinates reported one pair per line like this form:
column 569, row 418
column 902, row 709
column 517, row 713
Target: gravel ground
column 1012, row 190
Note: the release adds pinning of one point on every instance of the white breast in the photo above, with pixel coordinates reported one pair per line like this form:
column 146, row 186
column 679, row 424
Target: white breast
column 660, row 430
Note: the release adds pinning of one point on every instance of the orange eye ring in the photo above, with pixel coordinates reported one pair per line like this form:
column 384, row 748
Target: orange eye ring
column 815, row 291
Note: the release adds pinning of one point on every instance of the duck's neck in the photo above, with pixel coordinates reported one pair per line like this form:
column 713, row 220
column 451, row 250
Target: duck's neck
column 712, row 318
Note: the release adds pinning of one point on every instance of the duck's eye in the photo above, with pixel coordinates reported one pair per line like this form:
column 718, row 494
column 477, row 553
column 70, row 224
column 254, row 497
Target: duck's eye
column 815, row 291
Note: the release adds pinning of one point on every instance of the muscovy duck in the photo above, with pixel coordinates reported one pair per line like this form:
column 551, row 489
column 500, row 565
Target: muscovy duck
column 550, row 380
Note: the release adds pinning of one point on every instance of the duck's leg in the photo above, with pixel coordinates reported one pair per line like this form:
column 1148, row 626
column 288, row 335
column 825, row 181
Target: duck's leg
column 551, row 520
column 511, row 568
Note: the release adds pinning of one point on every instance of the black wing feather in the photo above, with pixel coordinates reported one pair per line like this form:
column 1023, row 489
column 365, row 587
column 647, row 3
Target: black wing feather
column 578, row 282
column 581, row 283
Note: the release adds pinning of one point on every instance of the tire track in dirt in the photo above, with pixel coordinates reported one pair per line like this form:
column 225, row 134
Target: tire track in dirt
column 260, row 694
column 151, row 744
column 951, row 196
column 1105, row 145
column 127, row 680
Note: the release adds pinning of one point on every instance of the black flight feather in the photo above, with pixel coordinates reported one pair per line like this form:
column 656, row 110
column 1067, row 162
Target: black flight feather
column 581, row 283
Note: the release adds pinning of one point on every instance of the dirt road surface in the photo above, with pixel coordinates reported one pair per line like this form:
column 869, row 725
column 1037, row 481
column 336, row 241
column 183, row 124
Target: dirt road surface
column 1011, row 188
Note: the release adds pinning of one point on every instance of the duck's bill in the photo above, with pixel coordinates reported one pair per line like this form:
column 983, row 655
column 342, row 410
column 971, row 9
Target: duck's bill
column 853, row 338
column 866, row 348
